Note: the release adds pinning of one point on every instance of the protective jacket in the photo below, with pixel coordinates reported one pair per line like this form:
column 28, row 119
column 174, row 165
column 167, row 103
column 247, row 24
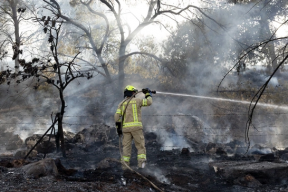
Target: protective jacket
column 132, row 128
column 132, row 120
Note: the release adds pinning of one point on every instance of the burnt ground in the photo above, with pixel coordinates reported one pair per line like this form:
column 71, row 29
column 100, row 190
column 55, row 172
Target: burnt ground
column 94, row 167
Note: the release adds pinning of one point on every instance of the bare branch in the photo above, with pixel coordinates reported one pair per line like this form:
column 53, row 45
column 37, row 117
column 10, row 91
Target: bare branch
column 117, row 17
column 258, row 95
column 104, row 40
column 143, row 53
column 252, row 48
column 87, row 32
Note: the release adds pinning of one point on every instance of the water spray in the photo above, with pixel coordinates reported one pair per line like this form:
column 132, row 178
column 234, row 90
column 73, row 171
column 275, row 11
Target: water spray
column 222, row 99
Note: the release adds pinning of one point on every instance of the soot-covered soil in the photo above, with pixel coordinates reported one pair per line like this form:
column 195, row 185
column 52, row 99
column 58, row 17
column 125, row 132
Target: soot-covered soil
column 94, row 166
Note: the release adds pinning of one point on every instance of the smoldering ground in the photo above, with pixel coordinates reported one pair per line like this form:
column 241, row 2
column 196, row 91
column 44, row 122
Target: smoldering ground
column 178, row 122
column 173, row 119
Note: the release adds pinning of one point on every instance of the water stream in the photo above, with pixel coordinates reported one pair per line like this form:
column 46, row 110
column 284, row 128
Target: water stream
column 227, row 100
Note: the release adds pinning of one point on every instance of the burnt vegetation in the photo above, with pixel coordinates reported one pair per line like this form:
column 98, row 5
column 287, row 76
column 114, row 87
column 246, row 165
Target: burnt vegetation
column 205, row 141
column 49, row 71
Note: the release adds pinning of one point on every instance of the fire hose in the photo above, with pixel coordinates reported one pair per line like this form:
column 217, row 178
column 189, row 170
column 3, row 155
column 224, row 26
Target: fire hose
column 120, row 147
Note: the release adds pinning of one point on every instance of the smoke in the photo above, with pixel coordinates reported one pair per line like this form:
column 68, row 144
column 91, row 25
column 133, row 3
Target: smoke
column 274, row 81
column 172, row 141
column 158, row 174
column 213, row 53
column 177, row 121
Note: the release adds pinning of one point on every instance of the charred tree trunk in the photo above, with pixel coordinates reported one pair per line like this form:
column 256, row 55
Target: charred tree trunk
column 57, row 142
column 60, row 134
column 61, row 114
column 16, row 46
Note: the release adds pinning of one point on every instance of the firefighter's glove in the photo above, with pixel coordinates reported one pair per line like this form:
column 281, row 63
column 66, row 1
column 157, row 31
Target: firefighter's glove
column 119, row 131
column 119, row 128
column 147, row 92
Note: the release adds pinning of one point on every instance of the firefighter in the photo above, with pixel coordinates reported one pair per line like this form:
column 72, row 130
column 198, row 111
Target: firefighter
column 132, row 129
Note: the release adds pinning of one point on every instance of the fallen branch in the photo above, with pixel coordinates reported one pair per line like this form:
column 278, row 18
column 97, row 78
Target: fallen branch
column 52, row 126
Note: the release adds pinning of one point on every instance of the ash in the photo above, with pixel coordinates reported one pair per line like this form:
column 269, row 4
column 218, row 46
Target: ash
column 92, row 165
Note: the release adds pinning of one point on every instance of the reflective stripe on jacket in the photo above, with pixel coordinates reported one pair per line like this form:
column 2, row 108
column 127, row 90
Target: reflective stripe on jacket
column 132, row 119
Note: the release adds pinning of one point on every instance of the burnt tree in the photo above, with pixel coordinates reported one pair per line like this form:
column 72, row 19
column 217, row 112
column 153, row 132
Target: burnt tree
column 65, row 72
column 154, row 11
column 48, row 70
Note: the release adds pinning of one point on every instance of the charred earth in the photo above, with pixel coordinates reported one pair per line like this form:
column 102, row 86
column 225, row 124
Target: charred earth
column 92, row 165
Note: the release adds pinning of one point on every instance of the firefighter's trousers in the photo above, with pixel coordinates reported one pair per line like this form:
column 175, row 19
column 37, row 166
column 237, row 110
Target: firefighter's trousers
column 139, row 141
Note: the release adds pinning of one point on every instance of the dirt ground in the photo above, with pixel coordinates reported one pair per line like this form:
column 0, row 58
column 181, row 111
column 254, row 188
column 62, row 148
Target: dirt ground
column 94, row 167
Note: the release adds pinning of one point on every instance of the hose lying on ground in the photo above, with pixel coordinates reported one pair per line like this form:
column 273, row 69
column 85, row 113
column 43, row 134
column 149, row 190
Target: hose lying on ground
column 123, row 163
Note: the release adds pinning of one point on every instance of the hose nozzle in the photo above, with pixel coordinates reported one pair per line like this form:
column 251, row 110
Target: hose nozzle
column 147, row 90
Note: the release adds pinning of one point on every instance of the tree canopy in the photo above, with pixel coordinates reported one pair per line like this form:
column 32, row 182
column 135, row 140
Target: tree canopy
column 186, row 46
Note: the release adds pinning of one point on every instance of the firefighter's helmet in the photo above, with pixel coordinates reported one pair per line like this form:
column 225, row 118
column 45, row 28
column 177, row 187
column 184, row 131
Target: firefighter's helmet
column 129, row 91
column 130, row 88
